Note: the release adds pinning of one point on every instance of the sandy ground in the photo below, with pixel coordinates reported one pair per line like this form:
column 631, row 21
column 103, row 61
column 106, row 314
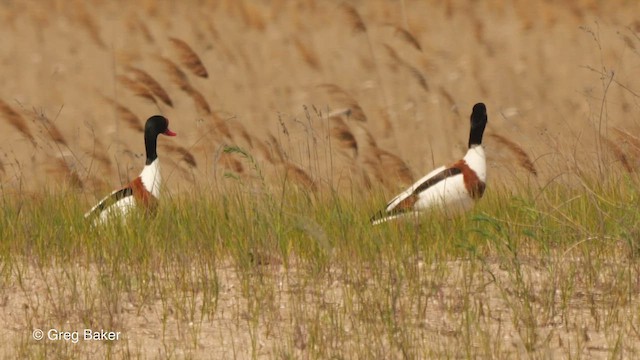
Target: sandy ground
column 576, row 322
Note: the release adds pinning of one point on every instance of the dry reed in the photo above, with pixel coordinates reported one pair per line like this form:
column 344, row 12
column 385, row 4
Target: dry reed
column 185, row 154
column 138, row 89
column 521, row 156
column 364, row 137
column 354, row 18
column 218, row 125
column 419, row 77
column 338, row 94
column 340, row 131
column 52, row 130
column 308, row 55
column 371, row 166
column 68, row 173
column 414, row 71
column 407, row 37
column 395, row 167
column 127, row 115
column 175, row 74
column 393, row 54
column 251, row 15
column 630, row 139
column 16, row 120
column 264, row 150
column 134, row 23
column 198, row 99
column 151, row 83
column 275, row 144
column 230, row 162
column 189, row 58
column 181, row 80
column 618, row 153
column 299, row 176
column 236, row 127
column 86, row 21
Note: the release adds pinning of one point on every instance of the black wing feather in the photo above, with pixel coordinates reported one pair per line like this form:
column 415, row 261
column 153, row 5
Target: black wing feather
column 110, row 200
column 449, row 172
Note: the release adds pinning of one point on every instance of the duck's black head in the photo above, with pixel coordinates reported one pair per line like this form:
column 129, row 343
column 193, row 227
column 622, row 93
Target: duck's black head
column 155, row 126
column 478, row 123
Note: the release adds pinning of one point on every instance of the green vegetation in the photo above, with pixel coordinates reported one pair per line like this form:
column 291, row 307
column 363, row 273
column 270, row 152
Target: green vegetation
column 289, row 274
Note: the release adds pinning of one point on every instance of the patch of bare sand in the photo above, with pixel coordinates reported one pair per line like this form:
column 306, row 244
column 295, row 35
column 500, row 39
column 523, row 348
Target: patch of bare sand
column 491, row 310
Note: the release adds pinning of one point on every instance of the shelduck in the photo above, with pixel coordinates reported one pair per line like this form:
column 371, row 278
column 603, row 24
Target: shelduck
column 454, row 188
column 144, row 190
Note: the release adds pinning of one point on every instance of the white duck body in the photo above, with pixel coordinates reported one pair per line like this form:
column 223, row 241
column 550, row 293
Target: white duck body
column 454, row 189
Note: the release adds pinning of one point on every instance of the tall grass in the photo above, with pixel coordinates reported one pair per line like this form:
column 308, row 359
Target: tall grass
column 527, row 273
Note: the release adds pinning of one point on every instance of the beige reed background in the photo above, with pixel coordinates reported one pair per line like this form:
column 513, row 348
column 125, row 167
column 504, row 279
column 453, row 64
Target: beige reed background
column 328, row 94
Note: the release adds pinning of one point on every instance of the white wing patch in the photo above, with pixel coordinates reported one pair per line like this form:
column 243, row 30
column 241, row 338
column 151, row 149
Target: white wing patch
column 405, row 194
column 450, row 193
column 118, row 209
column 107, row 208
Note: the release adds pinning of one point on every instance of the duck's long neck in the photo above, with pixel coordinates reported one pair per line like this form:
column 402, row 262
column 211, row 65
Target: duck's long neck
column 475, row 135
column 150, row 175
column 150, row 143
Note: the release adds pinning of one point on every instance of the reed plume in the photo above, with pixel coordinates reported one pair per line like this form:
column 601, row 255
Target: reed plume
column 354, row 18
column 338, row 94
column 275, row 144
column 618, row 153
column 414, row 71
column 151, row 84
column 201, row 103
column 630, row 139
column 219, row 126
column 138, row 89
column 407, row 37
column 175, row 74
column 395, row 167
column 134, row 23
column 85, row 19
column 340, row 130
column 185, row 154
column 419, row 77
column 523, row 158
column 180, row 79
column 236, row 127
column 52, row 129
column 62, row 167
column 228, row 160
column 188, row 58
column 251, row 15
column 16, row 120
column 299, row 176
column 264, row 150
column 127, row 115
column 308, row 55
